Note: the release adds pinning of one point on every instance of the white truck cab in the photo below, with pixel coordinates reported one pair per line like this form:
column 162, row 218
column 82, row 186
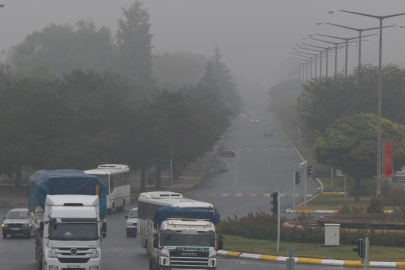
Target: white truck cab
column 183, row 243
column 69, row 236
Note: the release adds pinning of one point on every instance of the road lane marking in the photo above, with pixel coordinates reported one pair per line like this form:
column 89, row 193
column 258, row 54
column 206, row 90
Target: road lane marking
column 239, row 195
column 267, row 195
column 211, row 195
column 252, row 195
column 225, row 195
column 197, row 194
column 309, row 195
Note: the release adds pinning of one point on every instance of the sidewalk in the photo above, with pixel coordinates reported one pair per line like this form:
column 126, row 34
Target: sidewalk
column 301, row 260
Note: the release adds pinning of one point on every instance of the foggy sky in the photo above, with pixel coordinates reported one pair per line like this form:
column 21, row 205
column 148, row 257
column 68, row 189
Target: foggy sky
column 254, row 35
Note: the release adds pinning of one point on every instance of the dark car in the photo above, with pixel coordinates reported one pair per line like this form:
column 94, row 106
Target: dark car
column 16, row 222
column 227, row 151
column 268, row 131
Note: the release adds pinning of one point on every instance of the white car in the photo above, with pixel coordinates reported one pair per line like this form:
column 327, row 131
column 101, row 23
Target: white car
column 16, row 222
column 132, row 222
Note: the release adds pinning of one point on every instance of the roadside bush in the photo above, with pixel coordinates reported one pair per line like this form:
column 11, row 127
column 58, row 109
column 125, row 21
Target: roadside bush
column 350, row 210
column 392, row 195
column 376, row 205
column 264, row 226
column 400, row 209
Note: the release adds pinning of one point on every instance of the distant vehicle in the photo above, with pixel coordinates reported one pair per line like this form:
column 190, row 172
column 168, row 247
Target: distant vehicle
column 227, row 150
column 268, row 131
column 399, row 176
column 16, row 222
column 254, row 120
column 132, row 222
column 116, row 179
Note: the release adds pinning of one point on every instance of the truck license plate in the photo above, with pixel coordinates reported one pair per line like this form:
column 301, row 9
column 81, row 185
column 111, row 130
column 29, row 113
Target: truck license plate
column 15, row 229
column 73, row 266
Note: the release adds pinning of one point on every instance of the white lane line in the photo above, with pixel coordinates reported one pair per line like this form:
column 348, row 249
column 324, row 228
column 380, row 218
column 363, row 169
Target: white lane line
column 309, row 195
column 197, row 194
column 225, row 195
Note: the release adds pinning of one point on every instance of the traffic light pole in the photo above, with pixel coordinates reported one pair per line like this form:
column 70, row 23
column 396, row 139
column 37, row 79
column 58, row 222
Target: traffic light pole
column 366, row 251
column 294, row 193
column 278, row 221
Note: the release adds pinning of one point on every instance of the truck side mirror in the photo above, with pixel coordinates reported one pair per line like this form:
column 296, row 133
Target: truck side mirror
column 126, row 217
column 104, row 234
column 155, row 235
column 41, row 228
column 104, row 227
column 155, row 243
column 220, row 236
column 220, row 245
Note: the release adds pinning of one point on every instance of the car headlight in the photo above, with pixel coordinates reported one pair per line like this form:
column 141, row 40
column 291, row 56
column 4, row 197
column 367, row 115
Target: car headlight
column 93, row 267
column 3, row 225
column 53, row 267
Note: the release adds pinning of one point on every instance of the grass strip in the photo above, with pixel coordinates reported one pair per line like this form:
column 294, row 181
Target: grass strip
column 305, row 250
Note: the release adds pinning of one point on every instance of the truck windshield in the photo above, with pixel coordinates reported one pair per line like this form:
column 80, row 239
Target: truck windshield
column 189, row 240
column 74, row 231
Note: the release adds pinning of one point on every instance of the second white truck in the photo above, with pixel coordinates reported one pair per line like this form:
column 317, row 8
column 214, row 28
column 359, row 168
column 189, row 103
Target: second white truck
column 183, row 239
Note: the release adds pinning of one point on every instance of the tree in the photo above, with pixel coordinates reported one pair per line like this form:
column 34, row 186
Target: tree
column 57, row 49
column 174, row 70
column 350, row 145
column 31, row 118
column 134, row 44
column 228, row 93
column 327, row 99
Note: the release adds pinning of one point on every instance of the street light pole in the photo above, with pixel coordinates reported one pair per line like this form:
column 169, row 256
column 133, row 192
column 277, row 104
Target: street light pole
column 326, row 50
column 310, row 61
column 360, row 30
column 381, row 18
column 347, row 41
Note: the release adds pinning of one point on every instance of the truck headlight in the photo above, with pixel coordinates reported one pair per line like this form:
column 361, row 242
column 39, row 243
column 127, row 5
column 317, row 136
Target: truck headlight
column 129, row 224
column 95, row 254
column 3, row 225
column 53, row 267
column 93, row 267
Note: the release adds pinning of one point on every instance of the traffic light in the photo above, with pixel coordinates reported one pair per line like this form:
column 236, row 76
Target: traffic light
column 309, row 171
column 297, row 177
column 274, row 203
column 360, row 249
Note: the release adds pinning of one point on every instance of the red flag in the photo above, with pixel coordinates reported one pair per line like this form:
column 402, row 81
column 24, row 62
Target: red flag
column 388, row 159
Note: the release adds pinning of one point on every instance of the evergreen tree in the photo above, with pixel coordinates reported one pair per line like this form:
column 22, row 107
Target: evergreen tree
column 135, row 44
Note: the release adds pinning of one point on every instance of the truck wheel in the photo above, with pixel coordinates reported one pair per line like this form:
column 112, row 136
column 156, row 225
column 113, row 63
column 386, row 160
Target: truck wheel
column 4, row 235
column 122, row 208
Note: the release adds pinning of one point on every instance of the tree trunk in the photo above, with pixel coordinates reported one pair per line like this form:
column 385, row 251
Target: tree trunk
column 357, row 192
column 17, row 181
column 158, row 176
column 142, row 180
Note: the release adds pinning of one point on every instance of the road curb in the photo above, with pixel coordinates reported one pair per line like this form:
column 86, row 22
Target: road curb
column 290, row 211
column 301, row 260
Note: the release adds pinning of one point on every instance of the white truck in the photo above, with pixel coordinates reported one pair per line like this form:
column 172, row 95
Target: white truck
column 68, row 226
column 183, row 239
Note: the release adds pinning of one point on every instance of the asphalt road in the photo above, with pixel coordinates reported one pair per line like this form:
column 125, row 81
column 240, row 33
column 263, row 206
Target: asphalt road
column 261, row 166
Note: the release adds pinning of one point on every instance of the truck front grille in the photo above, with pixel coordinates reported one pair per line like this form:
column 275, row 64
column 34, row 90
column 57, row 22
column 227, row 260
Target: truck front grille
column 73, row 260
column 188, row 260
